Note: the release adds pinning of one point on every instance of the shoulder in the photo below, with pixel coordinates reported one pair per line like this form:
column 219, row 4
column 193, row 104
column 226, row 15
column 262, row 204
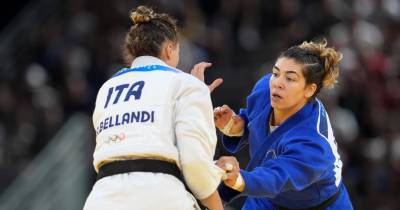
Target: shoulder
column 259, row 96
column 261, row 87
column 308, row 132
column 304, row 138
column 304, row 131
column 262, row 83
column 320, row 120
column 186, row 85
column 191, row 81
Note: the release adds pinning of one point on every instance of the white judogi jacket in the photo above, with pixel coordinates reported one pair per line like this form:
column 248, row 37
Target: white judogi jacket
column 155, row 111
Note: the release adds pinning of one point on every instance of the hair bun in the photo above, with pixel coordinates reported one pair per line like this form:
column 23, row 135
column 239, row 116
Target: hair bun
column 142, row 14
column 330, row 60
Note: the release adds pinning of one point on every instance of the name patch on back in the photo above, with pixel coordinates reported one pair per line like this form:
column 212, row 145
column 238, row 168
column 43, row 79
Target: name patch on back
column 124, row 119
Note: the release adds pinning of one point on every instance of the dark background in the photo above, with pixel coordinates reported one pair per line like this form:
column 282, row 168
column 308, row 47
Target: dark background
column 55, row 60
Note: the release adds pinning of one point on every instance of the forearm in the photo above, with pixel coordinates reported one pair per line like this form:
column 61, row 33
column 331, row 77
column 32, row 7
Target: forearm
column 213, row 202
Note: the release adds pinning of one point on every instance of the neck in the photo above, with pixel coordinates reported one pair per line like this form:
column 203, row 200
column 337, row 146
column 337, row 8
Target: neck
column 279, row 116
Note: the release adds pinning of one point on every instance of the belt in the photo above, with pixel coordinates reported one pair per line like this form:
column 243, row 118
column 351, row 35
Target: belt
column 143, row 165
column 139, row 165
column 321, row 206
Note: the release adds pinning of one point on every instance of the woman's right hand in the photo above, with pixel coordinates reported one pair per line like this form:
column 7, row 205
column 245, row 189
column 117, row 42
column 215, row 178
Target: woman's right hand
column 223, row 114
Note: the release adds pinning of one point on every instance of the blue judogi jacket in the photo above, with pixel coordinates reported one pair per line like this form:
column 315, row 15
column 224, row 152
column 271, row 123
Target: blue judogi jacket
column 295, row 166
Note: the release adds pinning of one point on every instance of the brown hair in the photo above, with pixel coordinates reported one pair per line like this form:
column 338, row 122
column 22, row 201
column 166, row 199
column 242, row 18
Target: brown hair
column 148, row 33
column 320, row 63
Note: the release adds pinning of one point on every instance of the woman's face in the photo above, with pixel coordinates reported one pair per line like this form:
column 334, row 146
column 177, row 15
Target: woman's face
column 289, row 91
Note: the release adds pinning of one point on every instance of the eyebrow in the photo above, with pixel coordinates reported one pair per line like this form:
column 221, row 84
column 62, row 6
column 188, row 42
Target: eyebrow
column 287, row 72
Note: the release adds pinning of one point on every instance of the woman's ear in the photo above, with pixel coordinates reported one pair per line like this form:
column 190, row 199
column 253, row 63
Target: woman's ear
column 169, row 53
column 167, row 50
column 310, row 90
column 170, row 48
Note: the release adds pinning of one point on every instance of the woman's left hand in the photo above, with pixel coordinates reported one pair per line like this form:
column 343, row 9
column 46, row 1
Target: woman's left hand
column 198, row 72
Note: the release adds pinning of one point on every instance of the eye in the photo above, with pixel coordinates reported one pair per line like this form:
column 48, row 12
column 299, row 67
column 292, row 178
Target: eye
column 290, row 79
column 274, row 74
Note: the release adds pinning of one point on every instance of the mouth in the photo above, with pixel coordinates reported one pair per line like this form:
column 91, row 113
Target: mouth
column 275, row 96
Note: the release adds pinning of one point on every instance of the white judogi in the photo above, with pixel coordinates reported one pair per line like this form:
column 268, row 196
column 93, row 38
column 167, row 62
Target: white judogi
column 151, row 113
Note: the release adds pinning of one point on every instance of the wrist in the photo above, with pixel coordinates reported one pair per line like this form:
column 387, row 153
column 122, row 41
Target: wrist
column 228, row 127
column 239, row 184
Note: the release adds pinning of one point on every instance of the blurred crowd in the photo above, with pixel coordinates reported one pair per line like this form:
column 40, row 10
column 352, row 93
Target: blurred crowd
column 79, row 47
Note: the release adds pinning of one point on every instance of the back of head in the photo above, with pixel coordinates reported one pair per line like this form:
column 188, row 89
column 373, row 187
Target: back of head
column 148, row 32
column 320, row 63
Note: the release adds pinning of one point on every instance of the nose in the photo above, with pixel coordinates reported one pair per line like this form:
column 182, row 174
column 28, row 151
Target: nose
column 278, row 82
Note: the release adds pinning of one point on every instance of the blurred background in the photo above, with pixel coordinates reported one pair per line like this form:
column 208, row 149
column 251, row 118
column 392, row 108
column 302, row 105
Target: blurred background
column 55, row 55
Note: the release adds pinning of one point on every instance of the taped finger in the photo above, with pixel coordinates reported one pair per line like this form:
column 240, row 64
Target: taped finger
column 217, row 109
column 228, row 167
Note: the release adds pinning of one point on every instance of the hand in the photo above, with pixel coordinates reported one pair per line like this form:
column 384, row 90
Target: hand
column 223, row 114
column 198, row 72
column 231, row 166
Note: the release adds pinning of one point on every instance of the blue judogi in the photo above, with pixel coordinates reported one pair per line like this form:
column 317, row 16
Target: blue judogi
column 296, row 166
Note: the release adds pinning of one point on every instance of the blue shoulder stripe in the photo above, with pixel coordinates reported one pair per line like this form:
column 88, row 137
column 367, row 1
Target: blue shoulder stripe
column 323, row 121
column 145, row 68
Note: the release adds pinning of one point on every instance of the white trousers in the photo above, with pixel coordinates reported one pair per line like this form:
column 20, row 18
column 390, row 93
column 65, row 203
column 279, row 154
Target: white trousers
column 140, row 191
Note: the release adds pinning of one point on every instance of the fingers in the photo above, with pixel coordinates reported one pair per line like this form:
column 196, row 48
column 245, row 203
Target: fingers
column 228, row 166
column 227, row 163
column 198, row 70
column 231, row 167
column 222, row 115
column 201, row 67
column 222, row 110
column 226, row 109
column 215, row 84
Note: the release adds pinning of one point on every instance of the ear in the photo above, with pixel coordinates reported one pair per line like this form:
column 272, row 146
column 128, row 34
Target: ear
column 169, row 50
column 310, row 90
column 165, row 52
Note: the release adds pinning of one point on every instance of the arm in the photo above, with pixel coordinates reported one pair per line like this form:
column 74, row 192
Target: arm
column 213, row 202
column 196, row 140
column 301, row 163
column 232, row 125
column 233, row 181
column 225, row 119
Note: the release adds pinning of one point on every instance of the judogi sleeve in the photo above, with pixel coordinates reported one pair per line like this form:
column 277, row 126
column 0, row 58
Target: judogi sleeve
column 300, row 164
column 196, row 137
